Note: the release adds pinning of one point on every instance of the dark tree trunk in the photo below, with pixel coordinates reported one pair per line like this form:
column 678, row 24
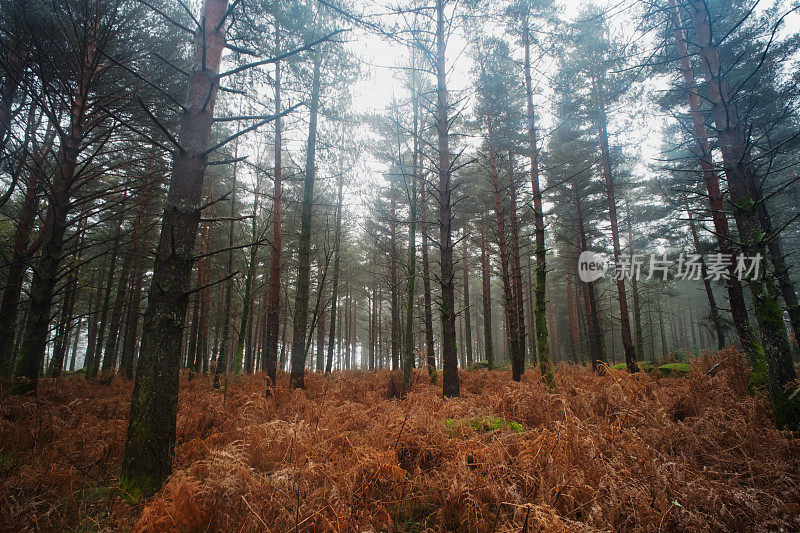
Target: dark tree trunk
column 408, row 355
column 150, row 441
column 596, row 343
column 335, row 280
column 716, row 319
column 637, row 310
column 274, row 301
column 393, row 282
column 299, row 347
column 540, row 307
column 742, row 180
column 744, row 330
column 450, row 381
column 467, row 323
column 95, row 368
column 45, row 275
column 508, row 291
column 486, row 297
column 9, row 308
column 430, row 354
column 625, row 326
column 518, row 300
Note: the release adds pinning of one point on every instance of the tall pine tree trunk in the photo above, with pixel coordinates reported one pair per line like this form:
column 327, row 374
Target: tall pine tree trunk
column 450, row 383
column 430, row 354
column 486, row 298
column 602, row 131
column 299, row 347
column 540, row 307
column 722, row 232
column 274, row 301
column 742, row 181
column 150, row 441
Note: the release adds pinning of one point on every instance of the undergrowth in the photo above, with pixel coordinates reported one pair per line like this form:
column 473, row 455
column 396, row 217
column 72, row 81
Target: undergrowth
column 608, row 453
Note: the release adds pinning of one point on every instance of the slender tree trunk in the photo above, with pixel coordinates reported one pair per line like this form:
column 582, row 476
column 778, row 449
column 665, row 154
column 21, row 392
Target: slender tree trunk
column 45, row 275
column 486, row 297
column 274, row 302
column 299, row 349
column 450, row 381
column 9, row 308
column 596, row 343
column 393, row 281
column 716, row 319
column 467, row 324
column 95, row 368
column 602, row 131
column 742, row 180
column 430, row 354
column 75, row 340
column 518, row 302
column 637, row 311
column 508, row 291
column 408, row 356
column 224, row 351
column 540, row 307
column 320, row 363
column 247, row 303
column 335, row 280
column 747, row 338
column 150, row 442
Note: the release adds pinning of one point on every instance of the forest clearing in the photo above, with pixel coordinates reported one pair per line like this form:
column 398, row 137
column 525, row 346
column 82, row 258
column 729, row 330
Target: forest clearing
column 399, row 265
column 611, row 452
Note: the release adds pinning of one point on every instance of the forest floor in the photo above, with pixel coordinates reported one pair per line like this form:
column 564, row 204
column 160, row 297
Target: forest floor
column 603, row 453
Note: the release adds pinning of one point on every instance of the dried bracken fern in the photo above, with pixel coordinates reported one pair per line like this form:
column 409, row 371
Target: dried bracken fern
column 603, row 453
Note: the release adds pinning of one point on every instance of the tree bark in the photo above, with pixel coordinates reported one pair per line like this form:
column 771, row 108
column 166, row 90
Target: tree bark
column 150, row 441
column 742, row 180
column 716, row 319
column 299, row 348
column 274, row 301
column 335, row 280
column 486, row 297
column 450, row 383
column 602, row 131
column 430, row 354
column 744, row 330
column 540, row 316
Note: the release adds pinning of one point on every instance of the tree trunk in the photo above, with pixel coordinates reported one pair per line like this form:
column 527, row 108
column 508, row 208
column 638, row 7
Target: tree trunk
column 518, row 302
column 747, row 338
column 430, row 354
column 9, row 308
column 508, row 291
column 486, row 297
column 742, row 180
column 335, row 280
column 602, row 131
column 393, row 281
column 716, row 319
column 299, row 348
column 408, row 356
column 596, row 343
column 637, row 311
column 34, row 335
column 95, row 368
column 150, row 441
column 467, row 323
column 247, row 303
column 450, row 383
column 540, row 307
column 274, row 301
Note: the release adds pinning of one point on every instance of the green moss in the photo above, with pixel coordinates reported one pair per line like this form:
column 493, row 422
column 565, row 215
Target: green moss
column 677, row 368
column 484, row 424
column 480, row 365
